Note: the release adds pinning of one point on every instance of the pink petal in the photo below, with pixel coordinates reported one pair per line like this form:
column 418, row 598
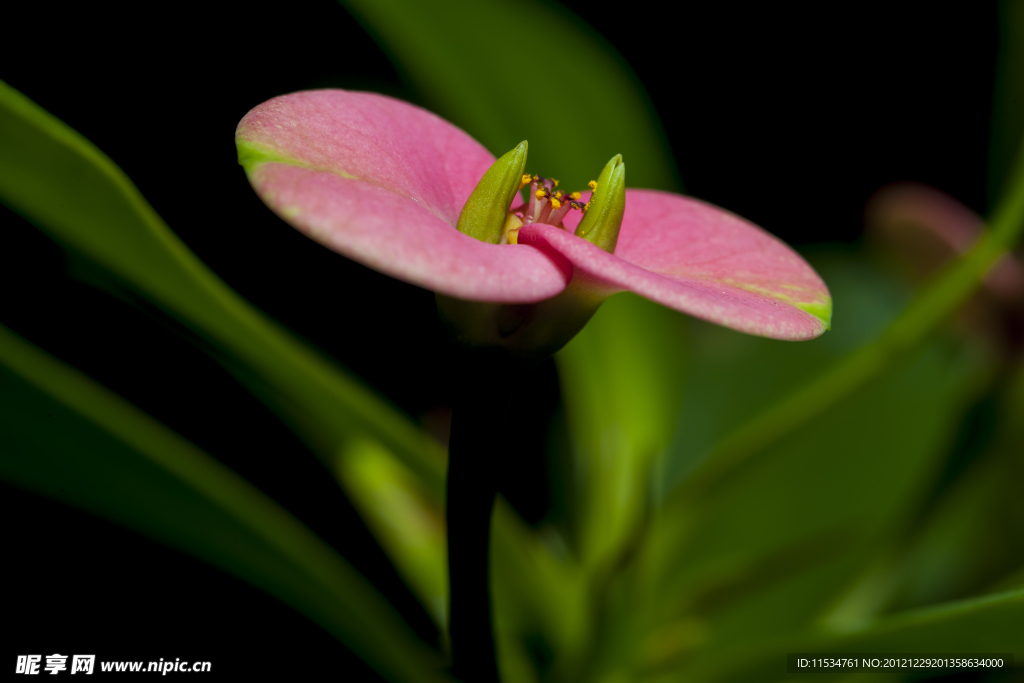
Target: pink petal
column 701, row 260
column 383, row 182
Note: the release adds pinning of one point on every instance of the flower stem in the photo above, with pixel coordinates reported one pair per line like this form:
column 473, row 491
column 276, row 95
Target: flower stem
column 474, row 457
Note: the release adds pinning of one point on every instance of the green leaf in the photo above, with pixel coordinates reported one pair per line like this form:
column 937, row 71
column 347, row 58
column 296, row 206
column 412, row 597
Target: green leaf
column 540, row 593
column 66, row 437
column 622, row 382
column 966, row 541
column 733, row 378
column 62, row 183
column 404, row 518
column 990, row 623
column 969, row 540
column 772, row 545
column 504, row 71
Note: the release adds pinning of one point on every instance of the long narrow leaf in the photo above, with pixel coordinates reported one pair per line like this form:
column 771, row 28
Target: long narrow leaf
column 66, row 437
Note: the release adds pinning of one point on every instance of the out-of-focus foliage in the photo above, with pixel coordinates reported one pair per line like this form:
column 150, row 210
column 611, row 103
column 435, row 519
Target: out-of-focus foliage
column 622, row 380
column 730, row 499
column 64, row 436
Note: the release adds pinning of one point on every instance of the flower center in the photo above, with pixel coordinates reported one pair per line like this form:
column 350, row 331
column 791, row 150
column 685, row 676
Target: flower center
column 547, row 205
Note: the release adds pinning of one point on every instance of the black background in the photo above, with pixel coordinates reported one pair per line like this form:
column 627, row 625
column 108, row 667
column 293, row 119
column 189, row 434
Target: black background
column 789, row 117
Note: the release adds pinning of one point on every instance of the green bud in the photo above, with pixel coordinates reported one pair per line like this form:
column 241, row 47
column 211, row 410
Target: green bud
column 483, row 216
column 601, row 223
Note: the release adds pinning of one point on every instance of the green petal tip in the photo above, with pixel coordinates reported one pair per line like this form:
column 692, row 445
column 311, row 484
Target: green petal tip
column 822, row 310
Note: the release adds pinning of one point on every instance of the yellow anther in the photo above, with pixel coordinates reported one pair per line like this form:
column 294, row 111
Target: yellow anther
column 511, row 229
column 558, row 194
column 524, row 181
column 555, row 204
column 574, row 195
column 555, row 182
column 540, row 194
column 592, row 185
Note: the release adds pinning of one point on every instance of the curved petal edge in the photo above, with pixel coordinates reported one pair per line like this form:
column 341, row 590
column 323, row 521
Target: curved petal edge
column 703, row 261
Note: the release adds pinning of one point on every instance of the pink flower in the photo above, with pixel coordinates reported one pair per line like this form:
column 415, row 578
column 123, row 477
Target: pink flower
column 383, row 182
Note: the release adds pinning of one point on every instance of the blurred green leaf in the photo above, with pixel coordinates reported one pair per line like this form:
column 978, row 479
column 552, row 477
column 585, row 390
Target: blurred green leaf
column 773, row 544
column 990, row 623
column 966, row 542
column 505, row 71
column 62, row 183
column 622, row 381
column 66, row 437
column 733, row 377
column 403, row 516
column 970, row 539
column 541, row 597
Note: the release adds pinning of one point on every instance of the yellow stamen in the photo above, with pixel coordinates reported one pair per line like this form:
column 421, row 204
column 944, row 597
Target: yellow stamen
column 555, row 204
column 592, row 185
column 574, row 196
column 524, row 181
column 555, row 182
column 540, row 194
column 511, row 229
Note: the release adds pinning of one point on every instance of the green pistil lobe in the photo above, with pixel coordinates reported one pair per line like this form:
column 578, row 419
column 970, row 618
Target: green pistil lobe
column 484, row 214
column 601, row 223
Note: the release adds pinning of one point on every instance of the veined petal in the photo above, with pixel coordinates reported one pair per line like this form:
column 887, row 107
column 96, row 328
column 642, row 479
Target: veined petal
column 383, row 182
column 701, row 260
column 374, row 138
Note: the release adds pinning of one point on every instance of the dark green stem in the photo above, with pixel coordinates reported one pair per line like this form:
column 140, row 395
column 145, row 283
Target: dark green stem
column 475, row 454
